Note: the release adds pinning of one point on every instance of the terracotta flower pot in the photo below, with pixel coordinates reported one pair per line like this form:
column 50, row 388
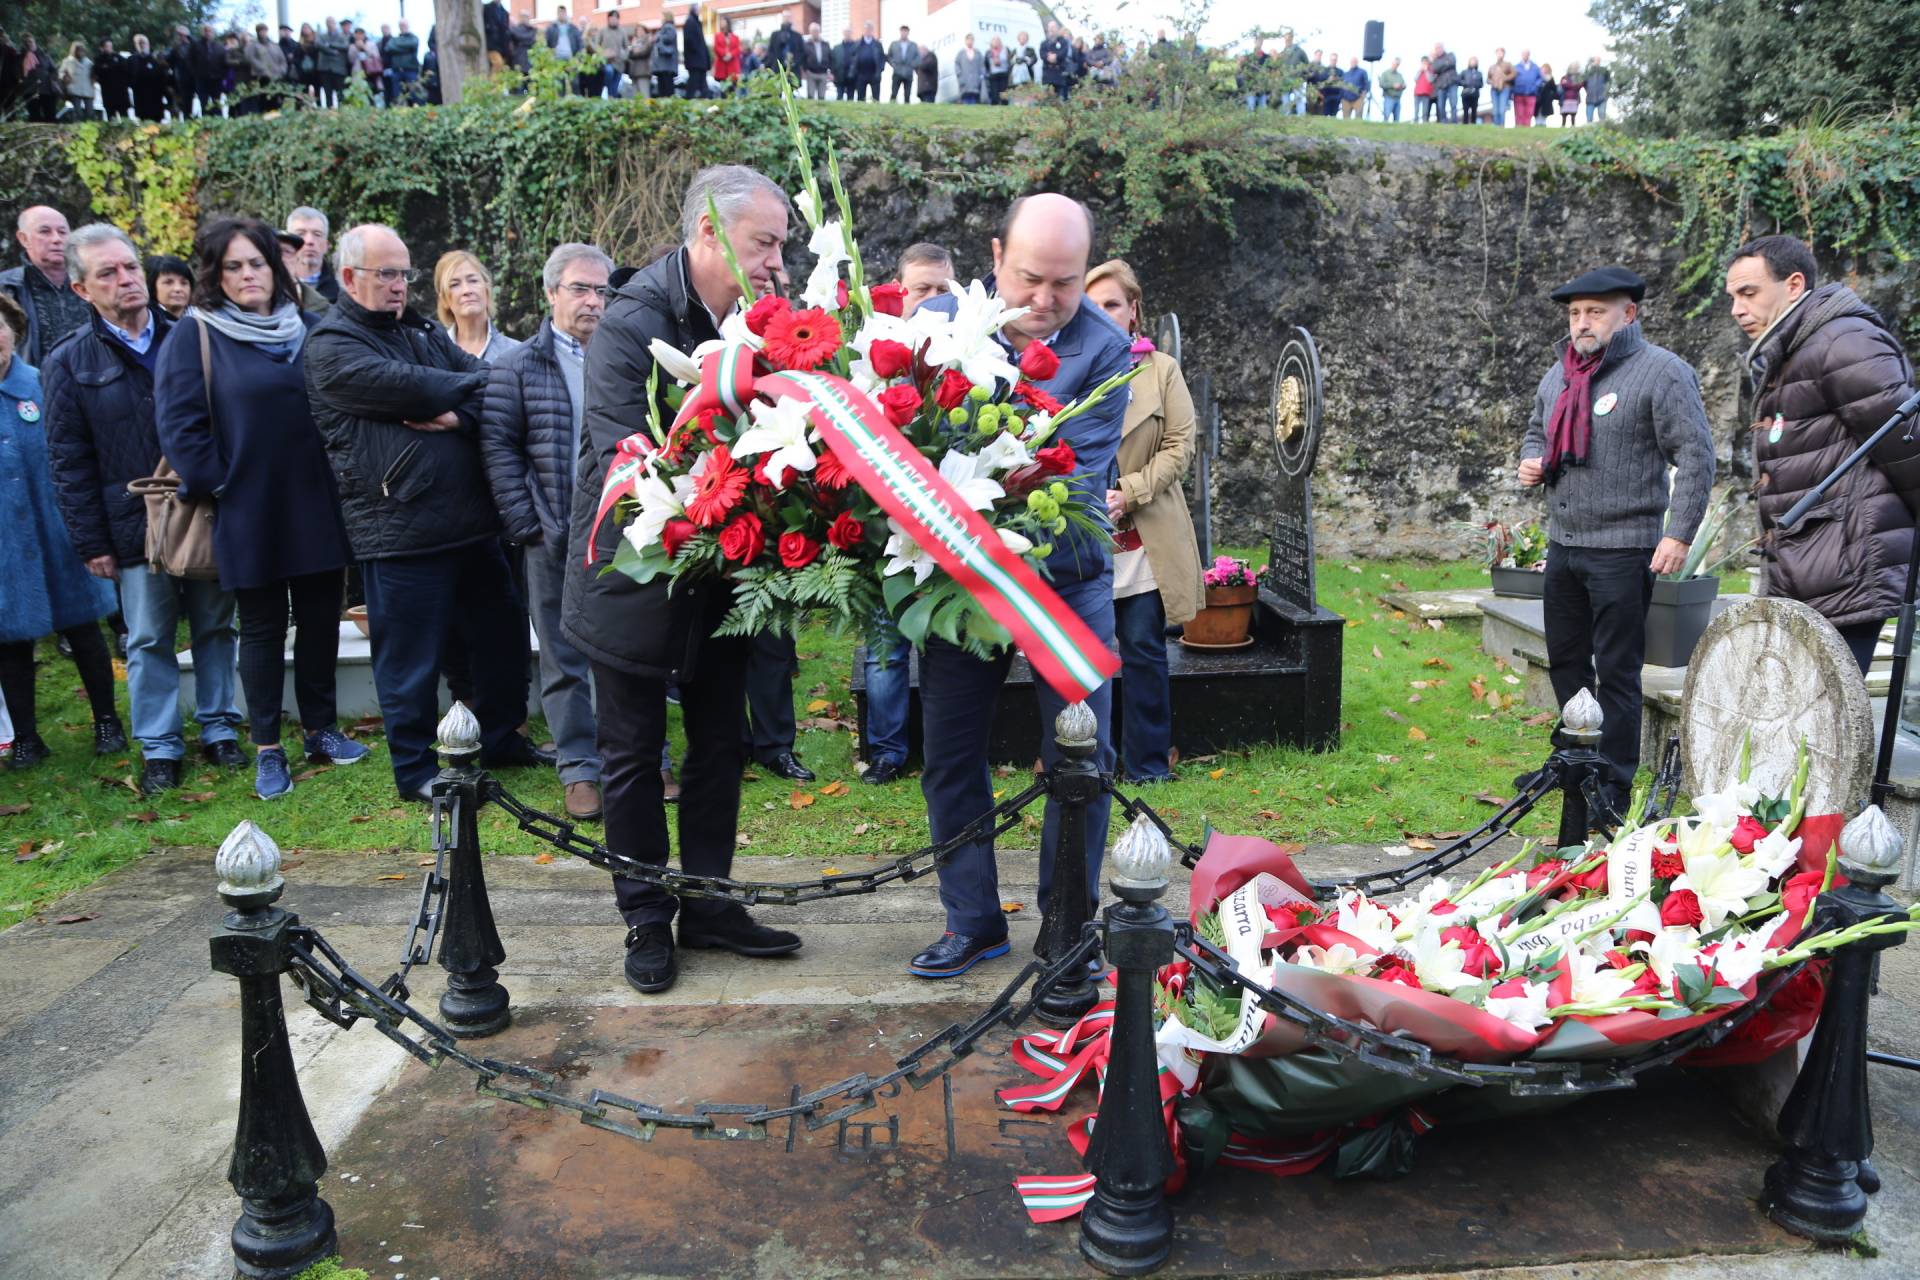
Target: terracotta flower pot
column 357, row 615
column 1225, row 620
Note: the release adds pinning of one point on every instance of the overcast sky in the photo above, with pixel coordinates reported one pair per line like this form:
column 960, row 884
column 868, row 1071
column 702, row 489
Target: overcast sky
column 1556, row 30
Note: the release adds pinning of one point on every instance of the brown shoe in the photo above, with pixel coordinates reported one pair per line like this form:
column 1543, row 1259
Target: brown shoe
column 669, row 787
column 583, row 801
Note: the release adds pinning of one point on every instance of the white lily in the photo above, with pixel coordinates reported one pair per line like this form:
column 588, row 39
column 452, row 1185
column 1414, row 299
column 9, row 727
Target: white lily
column 1672, row 947
column 1724, row 808
column 1438, row 964
column 1773, row 853
column 1367, row 921
column 659, row 503
column 967, row 341
column 1418, row 913
column 1015, row 542
column 1699, row 838
column 1740, row 958
column 903, row 553
column 1004, row 453
column 1594, row 980
column 1527, row 1011
column 964, row 472
column 780, row 431
column 1722, row 881
column 674, row 362
column 1482, row 902
column 1338, row 958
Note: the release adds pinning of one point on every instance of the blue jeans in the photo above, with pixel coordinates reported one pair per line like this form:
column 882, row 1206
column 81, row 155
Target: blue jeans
column 1297, row 102
column 888, row 693
column 957, row 696
column 1502, row 99
column 413, row 602
column 1146, row 710
column 566, row 677
column 1449, row 103
column 1256, row 101
column 1596, row 111
column 1389, row 108
column 153, row 604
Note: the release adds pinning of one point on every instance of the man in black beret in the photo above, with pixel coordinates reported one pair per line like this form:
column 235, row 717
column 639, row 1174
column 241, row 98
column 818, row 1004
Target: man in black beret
column 1612, row 417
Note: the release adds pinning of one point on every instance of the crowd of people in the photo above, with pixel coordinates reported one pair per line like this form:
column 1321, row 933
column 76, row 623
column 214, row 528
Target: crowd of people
column 239, row 72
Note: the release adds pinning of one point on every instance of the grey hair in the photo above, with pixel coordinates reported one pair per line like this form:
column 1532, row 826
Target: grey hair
column 732, row 187
column 311, row 214
column 352, row 249
column 566, row 255
column 92, row 236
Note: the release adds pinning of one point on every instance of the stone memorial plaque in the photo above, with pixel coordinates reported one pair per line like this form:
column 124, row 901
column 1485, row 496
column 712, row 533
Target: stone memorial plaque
column 1776, row 667
column 1293, row 423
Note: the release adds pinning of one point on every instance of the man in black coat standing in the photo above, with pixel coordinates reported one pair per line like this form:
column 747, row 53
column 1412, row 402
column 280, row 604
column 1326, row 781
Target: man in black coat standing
column 844, row 55
column 640, row 637
column 398, row 407
column 1056, row 60
column 783, row 50
column 868, row 58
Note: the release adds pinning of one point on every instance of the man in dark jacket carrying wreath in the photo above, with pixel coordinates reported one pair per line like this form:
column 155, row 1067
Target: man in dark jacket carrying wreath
column 642, row 637
column 1826, row 373
column 398, row 407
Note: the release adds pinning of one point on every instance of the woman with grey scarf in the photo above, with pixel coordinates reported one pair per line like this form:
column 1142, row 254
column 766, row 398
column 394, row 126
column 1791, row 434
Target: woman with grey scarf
column 230, row 405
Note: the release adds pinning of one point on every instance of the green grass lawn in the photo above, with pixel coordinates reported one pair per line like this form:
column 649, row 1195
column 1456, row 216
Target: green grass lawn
column 1413, row 761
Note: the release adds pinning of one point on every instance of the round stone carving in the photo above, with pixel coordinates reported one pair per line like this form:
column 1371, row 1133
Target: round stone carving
column 1776, row 667
column 1294, row 413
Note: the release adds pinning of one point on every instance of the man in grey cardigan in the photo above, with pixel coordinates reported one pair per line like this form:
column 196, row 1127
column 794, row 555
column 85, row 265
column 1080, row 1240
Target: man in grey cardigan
column 1610, row 419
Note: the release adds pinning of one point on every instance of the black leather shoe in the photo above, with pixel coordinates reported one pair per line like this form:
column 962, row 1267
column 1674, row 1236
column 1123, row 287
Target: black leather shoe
column 227, row 754
column 109, row 736
column 518, row 753
column 651, row 966
column 881, row 772
column 738, row 932
column 159, row 775
column 28, row 750
column 954, row 954
column 786, row 765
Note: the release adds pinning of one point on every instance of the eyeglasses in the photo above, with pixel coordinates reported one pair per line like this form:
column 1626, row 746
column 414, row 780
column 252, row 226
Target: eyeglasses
column 388, row 275
column 577, row 291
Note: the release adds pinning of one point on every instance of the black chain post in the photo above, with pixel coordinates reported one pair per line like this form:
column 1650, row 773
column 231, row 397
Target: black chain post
column 1127, row 1229
column 1578, row 762
column 1815, row 1189
column 284, row 1225
column 474, row 1004
column 1073, row 783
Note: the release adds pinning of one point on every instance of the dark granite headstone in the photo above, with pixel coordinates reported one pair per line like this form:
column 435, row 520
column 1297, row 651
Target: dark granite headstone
column 1293, row 426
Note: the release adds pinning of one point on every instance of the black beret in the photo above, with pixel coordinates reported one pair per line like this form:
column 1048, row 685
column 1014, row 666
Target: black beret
column 1600, row 282
column 289, row 239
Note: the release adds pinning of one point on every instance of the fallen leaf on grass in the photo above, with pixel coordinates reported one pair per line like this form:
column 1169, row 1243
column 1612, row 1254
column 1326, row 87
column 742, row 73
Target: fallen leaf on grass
column 1437, row 624
column 1535, row 722
column 197, row 797
column 1385, row 759
column 1270, row 815
column 1441, row 663
column 25, row 853
column 1473, row 742
column 818, row 690
column 1487, row 797
column 1012, row 907
column 425, row 862
column 799, row 800
column 1477, row 687
column 391, row 877
column 82, row 918
column 145, row 815
column 739, row 841
column 1216, row 774
column 1003, row 771
column 1391, row 714
column 1511, row 679
column 829, row 871
column 826, row 724
column 542, row 859
column 1424, row 846
column 1499, row 663
column 1413, row 697
column 396, row 813
column 1377, row 654
column 835, row 788
column 361, row 817
column 862, row 828
column 817, row 706
column 1416, row 733
column 10, row 810
column 749, row 776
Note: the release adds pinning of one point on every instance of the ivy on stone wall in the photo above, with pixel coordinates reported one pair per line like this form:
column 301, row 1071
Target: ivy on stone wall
column 142, row 180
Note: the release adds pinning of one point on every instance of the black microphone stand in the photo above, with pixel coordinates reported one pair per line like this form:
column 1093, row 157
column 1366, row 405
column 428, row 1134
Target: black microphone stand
column 1903, row 632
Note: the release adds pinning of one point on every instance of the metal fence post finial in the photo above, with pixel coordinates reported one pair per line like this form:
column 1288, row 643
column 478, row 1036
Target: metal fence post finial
column 474, row 1003
column 284, row 1226
column 1578, row 763
column 1072, row 783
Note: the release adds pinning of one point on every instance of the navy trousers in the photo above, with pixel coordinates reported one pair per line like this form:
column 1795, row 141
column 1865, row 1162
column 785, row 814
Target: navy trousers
column 957, row 697
column 414, row 603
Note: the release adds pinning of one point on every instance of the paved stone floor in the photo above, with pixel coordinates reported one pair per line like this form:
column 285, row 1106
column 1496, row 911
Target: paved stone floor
column 118, row 1089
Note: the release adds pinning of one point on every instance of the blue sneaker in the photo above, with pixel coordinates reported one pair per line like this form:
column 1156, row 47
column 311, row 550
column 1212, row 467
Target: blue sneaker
column 954, row 954
column 270, row 777
column 330, row 746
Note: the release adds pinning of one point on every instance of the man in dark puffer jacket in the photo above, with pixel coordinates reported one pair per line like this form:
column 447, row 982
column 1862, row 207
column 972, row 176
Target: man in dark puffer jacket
column 530, row 442
column 398, row 406
column 1826, row 373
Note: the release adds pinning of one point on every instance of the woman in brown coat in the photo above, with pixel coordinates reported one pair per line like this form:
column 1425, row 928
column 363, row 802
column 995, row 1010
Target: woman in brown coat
column 1156, row 562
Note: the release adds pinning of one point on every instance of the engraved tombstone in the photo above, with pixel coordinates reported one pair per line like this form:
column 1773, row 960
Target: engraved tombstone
column 1776, row 667
column 1293, row 422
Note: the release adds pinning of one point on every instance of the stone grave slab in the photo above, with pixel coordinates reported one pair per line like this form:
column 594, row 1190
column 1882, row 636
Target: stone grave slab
column 437, row 1180
column 1448, row 604
column 1776, row 667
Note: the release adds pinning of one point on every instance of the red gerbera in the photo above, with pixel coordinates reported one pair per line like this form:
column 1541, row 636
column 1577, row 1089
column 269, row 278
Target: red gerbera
column 718, row 489
column 802, row 340
column 1035, row 396
column 831, row 473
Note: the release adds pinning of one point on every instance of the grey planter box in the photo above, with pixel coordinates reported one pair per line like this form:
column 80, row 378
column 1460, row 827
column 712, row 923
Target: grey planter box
column 1679, row 613
column 1524, row 584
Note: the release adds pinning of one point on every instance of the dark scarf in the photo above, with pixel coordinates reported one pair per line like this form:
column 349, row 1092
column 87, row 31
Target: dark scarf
column 1570, row 430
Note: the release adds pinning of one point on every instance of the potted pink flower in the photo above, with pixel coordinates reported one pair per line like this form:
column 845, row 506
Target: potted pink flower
column 1231, row 586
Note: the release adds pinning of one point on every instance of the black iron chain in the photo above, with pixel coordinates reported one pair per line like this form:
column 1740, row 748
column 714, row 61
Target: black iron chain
column 562, row 835
column 1384, row 1051
column 344, row 997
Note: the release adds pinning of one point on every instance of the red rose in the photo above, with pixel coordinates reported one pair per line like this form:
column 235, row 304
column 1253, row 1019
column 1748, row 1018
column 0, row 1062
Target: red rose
column 1681, row 907
column 761, row 477
column 1038, row 363
column 1292, row 915
column 889, row 359
column 1545, row 872
column 1800, row 890
column 742, row 540
column 1478, row 959
column 1595, row 880
column 842, row 297
column 765, row 310
column 1667, row 862
column 1036, row 397
column 1647, row 984
column 952, row 390
column 888, row 299
column 1746, row 833
column 1442, row 908
column 1057, row 458
column 675, row 535
column 797, row 550
column 1394, row 969
column 846, row 532
column 901, row 404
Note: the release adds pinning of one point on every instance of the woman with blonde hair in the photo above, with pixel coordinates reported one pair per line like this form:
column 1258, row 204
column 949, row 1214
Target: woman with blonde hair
column 1156, row 561
column 463, row 289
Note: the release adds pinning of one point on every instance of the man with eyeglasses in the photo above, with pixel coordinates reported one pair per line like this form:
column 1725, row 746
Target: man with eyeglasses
column 529, row 441
column 398, row 407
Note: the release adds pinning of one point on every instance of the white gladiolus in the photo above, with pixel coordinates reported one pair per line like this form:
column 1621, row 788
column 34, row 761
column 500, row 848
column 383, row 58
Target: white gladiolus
column 1671, row 948
column 1594, row 980
column 1773, row 853
column 1527, row 1011
column 1438, row 964
column 1338, row 958
column 1367, row 921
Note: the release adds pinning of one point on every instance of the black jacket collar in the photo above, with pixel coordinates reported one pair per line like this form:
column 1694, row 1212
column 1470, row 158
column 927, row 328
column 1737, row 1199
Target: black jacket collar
column 408, row 319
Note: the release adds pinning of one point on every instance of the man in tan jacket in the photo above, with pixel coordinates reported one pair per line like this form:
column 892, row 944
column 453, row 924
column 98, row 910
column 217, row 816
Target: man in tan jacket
column 1500, row 80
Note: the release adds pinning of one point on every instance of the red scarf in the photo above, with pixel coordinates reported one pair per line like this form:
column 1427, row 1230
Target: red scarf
column 1570, row 429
